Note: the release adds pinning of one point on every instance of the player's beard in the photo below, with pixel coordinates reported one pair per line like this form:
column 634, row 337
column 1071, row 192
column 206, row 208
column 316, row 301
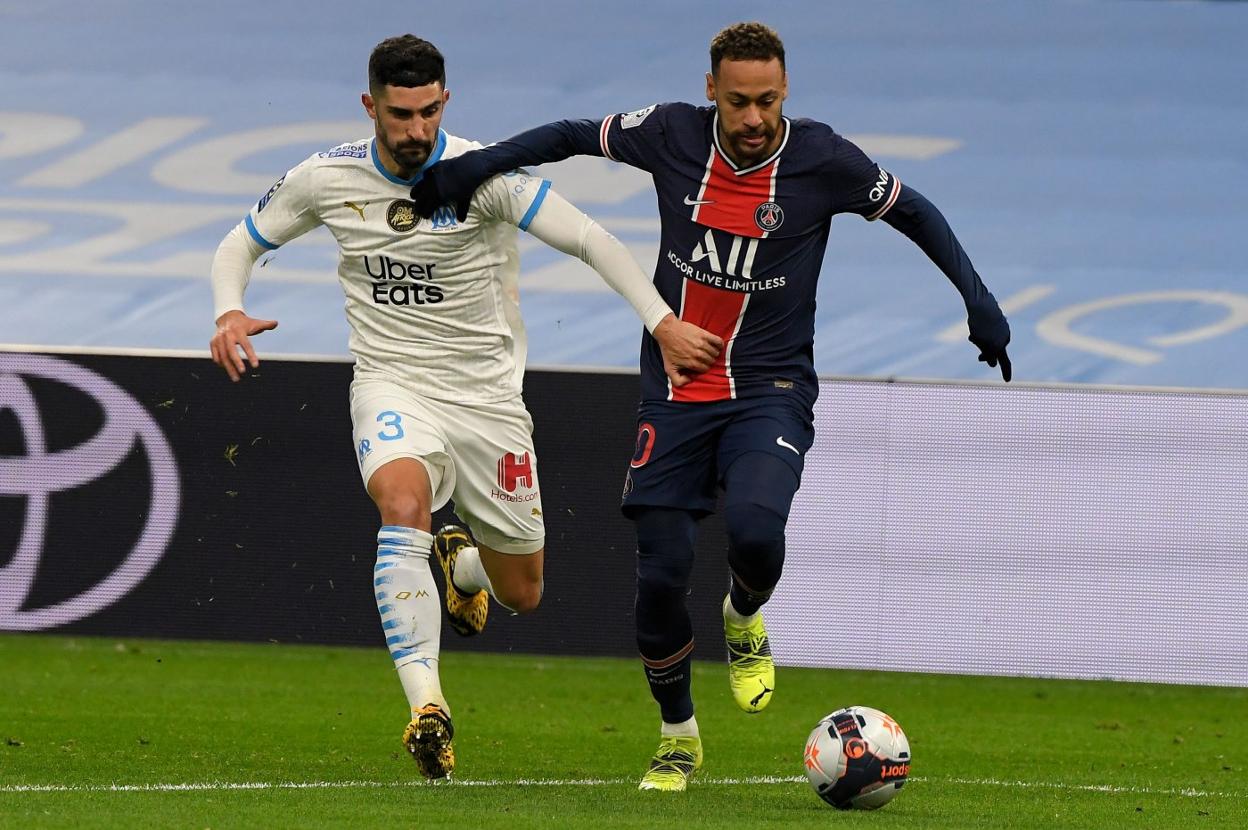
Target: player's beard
column 753, row 154
column 410, row 155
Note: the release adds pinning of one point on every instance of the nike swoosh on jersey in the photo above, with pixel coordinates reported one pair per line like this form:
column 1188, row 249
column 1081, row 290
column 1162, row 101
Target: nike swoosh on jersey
column 787, row 445
column 695, row 202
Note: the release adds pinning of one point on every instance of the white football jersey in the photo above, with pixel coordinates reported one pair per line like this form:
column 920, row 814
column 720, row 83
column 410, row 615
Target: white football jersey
column 433, row 303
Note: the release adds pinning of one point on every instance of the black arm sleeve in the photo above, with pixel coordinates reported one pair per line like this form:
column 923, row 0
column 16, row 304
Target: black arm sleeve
column 925, row 226
column 454, row 180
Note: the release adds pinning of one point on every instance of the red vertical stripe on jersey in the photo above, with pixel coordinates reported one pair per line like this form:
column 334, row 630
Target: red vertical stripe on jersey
column 719, row 312
column 730, row 201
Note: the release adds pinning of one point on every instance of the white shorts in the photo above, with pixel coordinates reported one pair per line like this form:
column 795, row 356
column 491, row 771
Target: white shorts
column 479, row 454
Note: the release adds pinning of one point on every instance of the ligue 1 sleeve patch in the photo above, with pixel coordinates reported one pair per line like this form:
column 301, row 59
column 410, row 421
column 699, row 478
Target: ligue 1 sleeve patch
column 633, row 119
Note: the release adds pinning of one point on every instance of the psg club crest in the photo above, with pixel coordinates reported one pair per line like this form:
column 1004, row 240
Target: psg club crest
column 769, row 216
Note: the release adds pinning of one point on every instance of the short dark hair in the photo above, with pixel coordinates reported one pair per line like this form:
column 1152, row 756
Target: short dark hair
column 405, row 60
column 746, row 42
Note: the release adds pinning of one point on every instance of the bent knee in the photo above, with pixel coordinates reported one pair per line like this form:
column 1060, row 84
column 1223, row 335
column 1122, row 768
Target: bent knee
column 523, row 599
column 404, row 508
column 754, row 528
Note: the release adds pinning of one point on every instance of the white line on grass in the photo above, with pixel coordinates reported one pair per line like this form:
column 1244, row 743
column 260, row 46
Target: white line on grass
column 199, row 786
column 196, row 786
column 1091, row 788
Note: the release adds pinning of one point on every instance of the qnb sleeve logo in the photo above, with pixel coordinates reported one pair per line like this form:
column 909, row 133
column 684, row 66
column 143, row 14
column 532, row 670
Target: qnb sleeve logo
column 35, row 476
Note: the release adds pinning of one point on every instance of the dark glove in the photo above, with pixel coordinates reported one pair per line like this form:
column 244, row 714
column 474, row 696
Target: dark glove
column 990, row 332
column 452, row 182
column 427, row 195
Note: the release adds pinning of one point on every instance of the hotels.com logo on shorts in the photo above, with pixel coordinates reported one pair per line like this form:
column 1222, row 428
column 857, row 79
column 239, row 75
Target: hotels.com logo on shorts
column 35, row 476
column 514, row 471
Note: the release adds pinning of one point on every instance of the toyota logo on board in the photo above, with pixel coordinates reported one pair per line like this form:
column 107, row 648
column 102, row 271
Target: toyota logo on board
column 38, row 474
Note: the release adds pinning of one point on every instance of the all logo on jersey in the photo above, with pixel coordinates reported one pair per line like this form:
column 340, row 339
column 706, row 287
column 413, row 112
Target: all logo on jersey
column 726, row 264
column 736, row 264
column 401, row 216
column 264, row 200
column 769, row 216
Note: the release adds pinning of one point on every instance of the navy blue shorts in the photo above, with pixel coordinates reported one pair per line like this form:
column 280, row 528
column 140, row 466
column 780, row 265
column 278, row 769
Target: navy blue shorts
column 684, row 450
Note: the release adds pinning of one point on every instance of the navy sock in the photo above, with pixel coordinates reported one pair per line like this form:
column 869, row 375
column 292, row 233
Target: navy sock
column 664, row 631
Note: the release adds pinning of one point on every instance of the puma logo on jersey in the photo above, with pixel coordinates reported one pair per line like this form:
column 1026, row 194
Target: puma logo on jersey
column 357, row 208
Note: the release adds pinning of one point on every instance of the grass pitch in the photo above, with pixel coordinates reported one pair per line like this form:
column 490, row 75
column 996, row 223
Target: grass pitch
column 109, row 733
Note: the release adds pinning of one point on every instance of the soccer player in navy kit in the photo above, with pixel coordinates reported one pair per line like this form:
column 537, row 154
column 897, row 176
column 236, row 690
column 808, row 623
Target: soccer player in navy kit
column 746, row 197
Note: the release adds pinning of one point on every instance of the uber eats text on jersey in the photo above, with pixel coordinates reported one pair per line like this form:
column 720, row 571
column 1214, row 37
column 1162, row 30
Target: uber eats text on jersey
column 387, row 271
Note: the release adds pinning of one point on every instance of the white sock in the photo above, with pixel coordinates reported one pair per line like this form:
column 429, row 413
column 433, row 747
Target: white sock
column 411, row 612
column 684, row 729
column 735, row 617
column 470, row 575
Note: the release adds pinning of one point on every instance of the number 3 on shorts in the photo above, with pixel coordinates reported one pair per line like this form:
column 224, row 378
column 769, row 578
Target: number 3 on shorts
column 391, row 421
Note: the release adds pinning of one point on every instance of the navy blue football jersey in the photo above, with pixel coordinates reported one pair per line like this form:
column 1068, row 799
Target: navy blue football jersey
column 741, row 248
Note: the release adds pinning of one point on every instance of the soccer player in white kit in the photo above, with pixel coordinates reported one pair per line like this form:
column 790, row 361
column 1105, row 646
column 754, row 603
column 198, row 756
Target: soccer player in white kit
column 439, row 349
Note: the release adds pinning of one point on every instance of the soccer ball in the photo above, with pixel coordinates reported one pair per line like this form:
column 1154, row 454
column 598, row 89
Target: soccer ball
column 858, row 758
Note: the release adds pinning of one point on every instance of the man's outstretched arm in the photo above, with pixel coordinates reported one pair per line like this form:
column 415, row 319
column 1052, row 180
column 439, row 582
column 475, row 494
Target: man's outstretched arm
column 918, row 219
column 454, row 180
column 687, row 349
